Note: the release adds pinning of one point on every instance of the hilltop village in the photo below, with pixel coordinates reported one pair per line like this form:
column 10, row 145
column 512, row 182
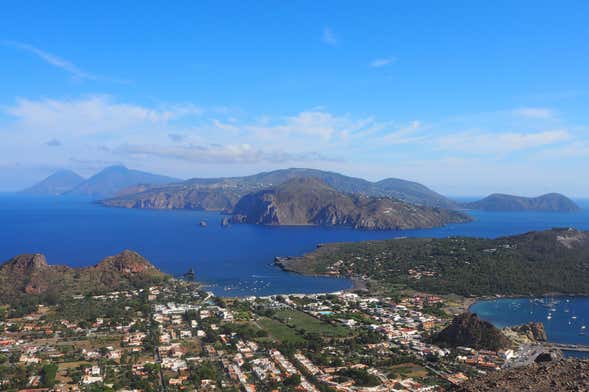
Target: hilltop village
column 177, row 337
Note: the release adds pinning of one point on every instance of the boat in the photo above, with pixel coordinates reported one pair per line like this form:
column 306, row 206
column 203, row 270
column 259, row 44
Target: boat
column 203, row 223
column 549, row 316
column 574, row 317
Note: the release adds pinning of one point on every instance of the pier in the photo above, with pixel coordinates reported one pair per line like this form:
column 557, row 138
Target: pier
column 567, row 347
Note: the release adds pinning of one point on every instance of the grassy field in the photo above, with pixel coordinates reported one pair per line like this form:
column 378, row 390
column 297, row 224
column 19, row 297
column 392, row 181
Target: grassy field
column 409, row 370
column 280, row 331
column 309, row 324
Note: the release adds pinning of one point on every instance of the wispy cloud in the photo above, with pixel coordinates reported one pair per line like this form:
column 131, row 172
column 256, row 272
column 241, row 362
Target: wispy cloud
column 329, row 37
column 221, row 154
column 382, row 62
column 52, row 59
column 500, row 143
column 404, row 135
column 534, row 113
column 95, row 114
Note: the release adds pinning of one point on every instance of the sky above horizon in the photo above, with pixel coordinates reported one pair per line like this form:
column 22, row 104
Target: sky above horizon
column 466, row 97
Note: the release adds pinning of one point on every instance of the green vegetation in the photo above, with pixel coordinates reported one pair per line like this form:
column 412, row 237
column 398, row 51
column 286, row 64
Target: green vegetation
column 304, row 323
column 280, row 331
column 361, row 377
column 530, row 264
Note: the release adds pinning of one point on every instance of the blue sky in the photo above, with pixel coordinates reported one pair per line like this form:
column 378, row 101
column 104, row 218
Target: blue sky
column 468, row 97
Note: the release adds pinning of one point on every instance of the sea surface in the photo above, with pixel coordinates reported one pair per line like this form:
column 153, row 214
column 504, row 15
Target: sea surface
column 566, row 319
column 233, row 261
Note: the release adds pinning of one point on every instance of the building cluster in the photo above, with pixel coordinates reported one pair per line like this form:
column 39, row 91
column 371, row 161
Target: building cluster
column 183, row 339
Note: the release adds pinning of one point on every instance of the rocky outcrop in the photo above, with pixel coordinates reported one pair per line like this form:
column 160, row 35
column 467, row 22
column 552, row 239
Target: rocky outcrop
column 552, row 202
column 30, row 274
column 561, row 375
column 310, row 201
column 533, row 332
column 469, row 330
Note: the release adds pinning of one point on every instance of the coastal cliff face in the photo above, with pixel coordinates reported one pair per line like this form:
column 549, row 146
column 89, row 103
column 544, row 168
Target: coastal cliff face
column 470, row 331
column 310, row 201
column 29, row 274
column 552, row 202
column 179, row 197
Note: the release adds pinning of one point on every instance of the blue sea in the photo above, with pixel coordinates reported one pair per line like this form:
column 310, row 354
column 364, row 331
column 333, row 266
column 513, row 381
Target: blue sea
column 233, row 261
column 566, row 319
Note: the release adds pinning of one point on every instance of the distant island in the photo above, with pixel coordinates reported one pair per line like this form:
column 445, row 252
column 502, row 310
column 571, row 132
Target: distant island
column 531, row 264
column 30, row 276
column 58, row 183
column 222, row 194
column 106, row 183
column 551, row 202
column 310, row 201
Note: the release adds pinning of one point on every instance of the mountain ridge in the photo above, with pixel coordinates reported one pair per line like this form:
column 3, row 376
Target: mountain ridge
column 221, row 194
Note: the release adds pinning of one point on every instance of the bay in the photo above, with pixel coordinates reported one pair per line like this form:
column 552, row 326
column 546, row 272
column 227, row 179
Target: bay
column 234, row 261
column 565, row 319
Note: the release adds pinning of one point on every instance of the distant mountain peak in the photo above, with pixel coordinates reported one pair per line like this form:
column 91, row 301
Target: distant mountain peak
column 113, row 179
column 57, row 183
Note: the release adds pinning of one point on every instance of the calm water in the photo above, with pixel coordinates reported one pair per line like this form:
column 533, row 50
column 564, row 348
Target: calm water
column 563, row 317
column 234, row 261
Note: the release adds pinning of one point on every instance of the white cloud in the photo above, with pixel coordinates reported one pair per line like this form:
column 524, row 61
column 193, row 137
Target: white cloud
column 382, row 62
column 221, row 154
column 404, row 135
column 52, row 59
column 319, row 124
column 534, row 113
column 90, row 115
column 500, row 143
column 328, row 37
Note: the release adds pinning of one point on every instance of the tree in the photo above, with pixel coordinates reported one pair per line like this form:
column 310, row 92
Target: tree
column 48, row 373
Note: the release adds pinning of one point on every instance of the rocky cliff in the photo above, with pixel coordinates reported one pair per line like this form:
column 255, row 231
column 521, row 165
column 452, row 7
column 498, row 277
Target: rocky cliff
column 310, row 201
column 532, row 332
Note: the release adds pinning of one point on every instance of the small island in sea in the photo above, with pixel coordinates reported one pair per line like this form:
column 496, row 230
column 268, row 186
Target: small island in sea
column 551, row 202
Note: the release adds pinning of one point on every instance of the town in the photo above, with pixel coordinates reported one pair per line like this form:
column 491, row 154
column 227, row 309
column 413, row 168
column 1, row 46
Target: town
column 177, row 337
